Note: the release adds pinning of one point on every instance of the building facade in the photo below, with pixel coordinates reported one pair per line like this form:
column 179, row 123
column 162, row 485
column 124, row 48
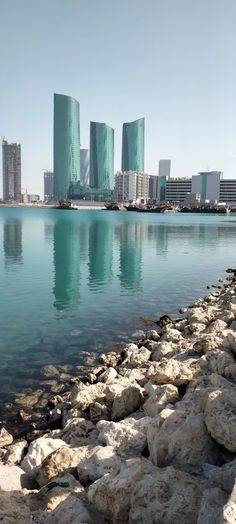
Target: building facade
column 207, row 184
column 131, row 186
column 84, row 167
column 11, row 171
column 66, row 144
column 163, row 176
column 153, row 187
column 177, row 189
column 228, row 191
column 133, row 146
column 101, row 156
column 48, row 180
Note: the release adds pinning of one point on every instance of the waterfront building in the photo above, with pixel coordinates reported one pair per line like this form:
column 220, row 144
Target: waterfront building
column 66, row 144
column 131, row 186
column 228, row 191
column 101, row 156
column 163, row 176
column 207, row 184
column 48, row 180
column 84, row 167
column 153, row 187
column 11, row 171
column 26, row 198
column 176, row 189
column 133, row 146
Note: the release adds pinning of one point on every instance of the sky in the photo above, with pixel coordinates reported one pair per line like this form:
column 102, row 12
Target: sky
column 171, row 61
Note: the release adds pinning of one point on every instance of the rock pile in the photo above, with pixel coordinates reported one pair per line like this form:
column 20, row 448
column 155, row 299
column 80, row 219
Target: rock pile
column 149, row 438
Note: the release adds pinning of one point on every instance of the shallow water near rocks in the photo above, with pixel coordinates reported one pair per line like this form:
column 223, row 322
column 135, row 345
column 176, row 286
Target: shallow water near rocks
column 75, row 282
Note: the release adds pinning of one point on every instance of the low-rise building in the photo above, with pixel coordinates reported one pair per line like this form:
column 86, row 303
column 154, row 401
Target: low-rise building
column 228, row 191
column 131, row 186
column 176, row 189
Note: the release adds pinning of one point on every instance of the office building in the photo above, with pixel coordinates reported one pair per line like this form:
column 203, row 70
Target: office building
column 133, row 146
column 84, row 167
column 132, row 186
column 228, row 191
column 11, row 171
column 176, row 189
column 66, row 144
column 153, row 187
column 101, row 156
column 48, row 180
column 163, row 176
column 207, row 184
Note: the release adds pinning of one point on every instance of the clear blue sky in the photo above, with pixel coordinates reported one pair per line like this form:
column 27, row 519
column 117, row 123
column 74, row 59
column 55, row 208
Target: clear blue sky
column 172, row 61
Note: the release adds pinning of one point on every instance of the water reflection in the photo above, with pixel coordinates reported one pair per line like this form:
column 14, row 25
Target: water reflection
column 131, row 237
column 66, row 254
column 100, row 252
column 12, row 241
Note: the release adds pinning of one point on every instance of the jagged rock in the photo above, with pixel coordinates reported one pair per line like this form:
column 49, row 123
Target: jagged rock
column 180, row 439
column 232, row 306
column 82, row 398
column 110, row 359
column 14, row 508
column 128, row 437
column 159, row 397
column 61, row 461
column 112, row 492
column 78, row 432
column 5, row 438
column 53, row 493
column 223, row 477
column 172, row 335
column 15, row 452
column 163, row 349
column 196, row 327
column 71, row 510
column 69, row 414
column 207, row 343
column 217, row 327
column 152, row 335
column 225, row 315
column 38, row 450
column 229, row 342
column 167, row 496
column 220, row 417
column 138, row 357
column 125, row 398
column 173, row 371
column 13, row 478
column 212, row 506
column 108, row 375
column 50, row 371
column 197, row 315
column 135, row 375
column 100, row 461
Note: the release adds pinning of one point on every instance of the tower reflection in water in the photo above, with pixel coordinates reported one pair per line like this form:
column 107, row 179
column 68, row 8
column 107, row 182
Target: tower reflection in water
column 131, row 236
column 100, row 253
column 66, row 255
column 12, row 242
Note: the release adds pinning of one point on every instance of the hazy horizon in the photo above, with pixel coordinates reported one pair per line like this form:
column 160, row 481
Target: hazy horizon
column 172, row 62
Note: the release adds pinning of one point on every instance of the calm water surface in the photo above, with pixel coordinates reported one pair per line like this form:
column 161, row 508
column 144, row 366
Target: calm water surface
column 79, row 281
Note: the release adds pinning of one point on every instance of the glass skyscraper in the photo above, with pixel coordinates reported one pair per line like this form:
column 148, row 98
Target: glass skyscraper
column 84, row 167
column 133, row 146
column 66, row 144
column 101, row 156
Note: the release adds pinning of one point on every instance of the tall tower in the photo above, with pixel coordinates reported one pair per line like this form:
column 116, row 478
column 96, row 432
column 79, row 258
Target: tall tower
column 101, row 156
column 163, row 176
column 48, row 179
column 11, row 171
column 84, row 167
column 66, row 144
column 133, row 146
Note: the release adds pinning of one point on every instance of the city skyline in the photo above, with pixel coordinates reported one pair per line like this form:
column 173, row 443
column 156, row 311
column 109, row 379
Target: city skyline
column 174, row 70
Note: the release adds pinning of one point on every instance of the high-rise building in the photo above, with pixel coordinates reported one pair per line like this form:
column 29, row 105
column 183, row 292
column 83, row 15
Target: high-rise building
column 132, row 186
column 101, row 156
column 66, row 144
column 163, row 176
column 207, row 184
column 48, row 179
column 133, row 146
column 11, row 171
column 84, row 167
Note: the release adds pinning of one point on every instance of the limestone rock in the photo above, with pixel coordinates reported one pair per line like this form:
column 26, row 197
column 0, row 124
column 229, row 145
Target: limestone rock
column 164, row 348
column 71, row 510
column 172, row 335
column 78, row 432
column 212, row 510
column 38, row 450
column 109, row 374
column 15, row 452
column 152, row 335
column 206, row 343
column 135, row 375
column 139, row 357
column 13, row 478
column 14, row 508
column 61, row 461
column 159, row 398
column 125, row 399
column 100, row 461
column 128, row 437
column 98, row 412
column 173, row 371
column 220, row 417
column 5, row 438
column 53, row 493
column 217, row 327
column 83, row 398
column 110, row 359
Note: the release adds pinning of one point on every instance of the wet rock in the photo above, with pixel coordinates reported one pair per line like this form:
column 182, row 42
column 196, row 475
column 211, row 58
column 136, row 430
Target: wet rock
column 5, row 438
column 50, row 371
column 38, row 450
column 128, row 437
column 24, row 399
column 220, row 417
column 15, row 452
column 82, row 398
column 159, row 397
column 100, row 461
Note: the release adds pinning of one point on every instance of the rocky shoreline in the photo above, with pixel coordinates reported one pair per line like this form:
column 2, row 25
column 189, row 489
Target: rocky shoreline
column 148, row 436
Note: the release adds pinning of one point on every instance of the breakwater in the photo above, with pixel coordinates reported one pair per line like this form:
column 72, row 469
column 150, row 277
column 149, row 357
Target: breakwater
column 149, row 435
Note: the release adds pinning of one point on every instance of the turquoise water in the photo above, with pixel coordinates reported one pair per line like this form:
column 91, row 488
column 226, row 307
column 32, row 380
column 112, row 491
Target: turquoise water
column 79, row 281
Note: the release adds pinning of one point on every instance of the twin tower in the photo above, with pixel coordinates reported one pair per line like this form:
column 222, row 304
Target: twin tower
column 66, row 148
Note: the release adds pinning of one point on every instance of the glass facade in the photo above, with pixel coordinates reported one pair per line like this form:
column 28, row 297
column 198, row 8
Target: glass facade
column 84, row 167
column 133, row 146
column 66, row 144
column 101, row 156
